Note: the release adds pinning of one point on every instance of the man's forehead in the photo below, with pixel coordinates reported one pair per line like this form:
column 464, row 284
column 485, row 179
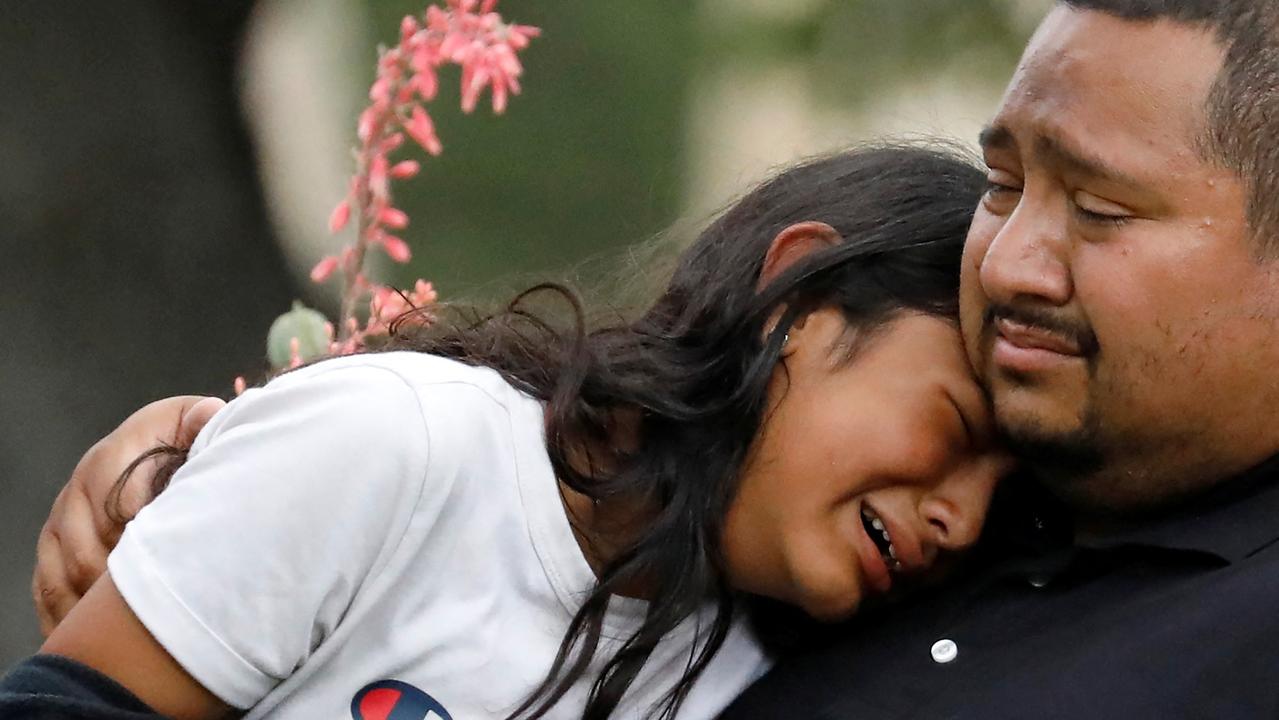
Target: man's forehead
column 1096, row 89
column 1091, row 54
column 1067, row 32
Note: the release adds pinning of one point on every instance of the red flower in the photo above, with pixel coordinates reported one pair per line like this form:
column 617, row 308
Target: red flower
column 468, row 33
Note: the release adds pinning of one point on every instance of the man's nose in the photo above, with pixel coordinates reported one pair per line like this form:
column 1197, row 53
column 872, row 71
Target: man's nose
column 1026, row 259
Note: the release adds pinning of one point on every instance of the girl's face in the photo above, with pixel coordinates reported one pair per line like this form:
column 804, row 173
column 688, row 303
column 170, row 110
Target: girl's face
column 866, row 470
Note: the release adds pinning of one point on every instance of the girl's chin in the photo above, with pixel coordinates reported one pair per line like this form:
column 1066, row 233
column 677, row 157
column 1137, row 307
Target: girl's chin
column 831, row 603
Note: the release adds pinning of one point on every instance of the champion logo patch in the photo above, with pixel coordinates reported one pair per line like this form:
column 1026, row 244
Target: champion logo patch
column 395, row 700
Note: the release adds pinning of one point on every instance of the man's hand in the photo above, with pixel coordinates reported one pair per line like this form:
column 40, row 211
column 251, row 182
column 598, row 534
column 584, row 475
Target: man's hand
column 72, row 551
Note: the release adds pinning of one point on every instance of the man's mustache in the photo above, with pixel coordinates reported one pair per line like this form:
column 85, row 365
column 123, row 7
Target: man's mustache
column 1077, row 333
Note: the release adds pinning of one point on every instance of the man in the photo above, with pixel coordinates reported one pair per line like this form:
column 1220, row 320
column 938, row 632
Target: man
column 1120, row 300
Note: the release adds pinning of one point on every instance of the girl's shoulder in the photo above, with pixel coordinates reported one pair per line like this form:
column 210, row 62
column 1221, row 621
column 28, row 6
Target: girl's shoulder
column 464, row 414
column 414, row 368
column 426, row 375
column 378, row 392
column 422, row 420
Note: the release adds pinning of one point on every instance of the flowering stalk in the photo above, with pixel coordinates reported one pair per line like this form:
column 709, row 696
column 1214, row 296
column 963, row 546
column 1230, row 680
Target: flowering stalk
column 467, row 33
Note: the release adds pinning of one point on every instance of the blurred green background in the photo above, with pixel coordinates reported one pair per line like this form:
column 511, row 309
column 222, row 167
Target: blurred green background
column 169, row 168
column 637, row 114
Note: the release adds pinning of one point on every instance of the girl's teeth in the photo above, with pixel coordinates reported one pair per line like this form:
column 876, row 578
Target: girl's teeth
column 891, row 555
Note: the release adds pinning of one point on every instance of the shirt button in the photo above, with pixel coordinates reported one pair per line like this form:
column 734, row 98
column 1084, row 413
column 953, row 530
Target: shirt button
column 944, row 651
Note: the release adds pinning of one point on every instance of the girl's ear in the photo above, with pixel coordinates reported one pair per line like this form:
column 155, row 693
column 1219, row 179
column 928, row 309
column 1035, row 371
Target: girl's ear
column 792, row 245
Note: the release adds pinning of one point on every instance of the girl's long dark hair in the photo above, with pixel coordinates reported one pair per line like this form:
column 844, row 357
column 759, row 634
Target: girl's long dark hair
column 694, row 369
column 696, row 366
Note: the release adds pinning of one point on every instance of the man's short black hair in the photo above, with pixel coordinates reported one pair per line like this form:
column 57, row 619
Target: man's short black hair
column 1242, row 130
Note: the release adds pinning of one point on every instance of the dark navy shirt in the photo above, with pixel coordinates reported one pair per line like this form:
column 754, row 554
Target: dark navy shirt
column 1176, row 617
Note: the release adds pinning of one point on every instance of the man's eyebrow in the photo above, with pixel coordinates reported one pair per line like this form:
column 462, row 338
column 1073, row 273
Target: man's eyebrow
column 1054, row 151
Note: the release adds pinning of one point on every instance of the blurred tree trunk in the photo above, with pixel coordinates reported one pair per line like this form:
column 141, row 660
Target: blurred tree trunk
column 136, row 259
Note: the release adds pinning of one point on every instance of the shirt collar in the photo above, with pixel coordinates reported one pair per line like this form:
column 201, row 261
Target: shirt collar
column 1231, row 521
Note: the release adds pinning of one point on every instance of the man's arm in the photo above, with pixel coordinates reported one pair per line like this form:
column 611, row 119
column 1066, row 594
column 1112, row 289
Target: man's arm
column 81, row 530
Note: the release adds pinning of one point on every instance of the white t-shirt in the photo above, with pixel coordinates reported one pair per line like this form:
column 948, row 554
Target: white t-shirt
column 382, row 536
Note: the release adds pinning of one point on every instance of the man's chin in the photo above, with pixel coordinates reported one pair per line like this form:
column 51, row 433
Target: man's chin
column 1054, row 443
column 1042, row 408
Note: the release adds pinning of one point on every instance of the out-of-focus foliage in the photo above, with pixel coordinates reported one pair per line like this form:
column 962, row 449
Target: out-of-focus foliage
column 857, row 47
column 587, row 160
column 895, row 40
column 590, row 158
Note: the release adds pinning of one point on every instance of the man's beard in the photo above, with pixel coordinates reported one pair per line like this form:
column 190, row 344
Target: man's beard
column 1066, row 461
column 1063, row 461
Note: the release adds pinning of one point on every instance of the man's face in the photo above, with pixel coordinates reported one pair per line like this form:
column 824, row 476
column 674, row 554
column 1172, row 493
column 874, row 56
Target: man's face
column 1112, row 300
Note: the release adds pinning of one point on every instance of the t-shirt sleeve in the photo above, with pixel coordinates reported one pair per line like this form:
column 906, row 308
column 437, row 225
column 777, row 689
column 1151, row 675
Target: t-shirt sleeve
column 291, row 500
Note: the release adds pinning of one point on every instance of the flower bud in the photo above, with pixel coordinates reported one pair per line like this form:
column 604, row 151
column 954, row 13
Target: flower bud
column 422, row 130
column 324, row 269
column 338, row 219
column 408, row 27
column 393, row 218
column 405, row 169
column 302, row 327
column 397, row 249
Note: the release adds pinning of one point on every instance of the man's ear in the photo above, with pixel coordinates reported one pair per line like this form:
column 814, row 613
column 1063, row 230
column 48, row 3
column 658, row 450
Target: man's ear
column 792, row 245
